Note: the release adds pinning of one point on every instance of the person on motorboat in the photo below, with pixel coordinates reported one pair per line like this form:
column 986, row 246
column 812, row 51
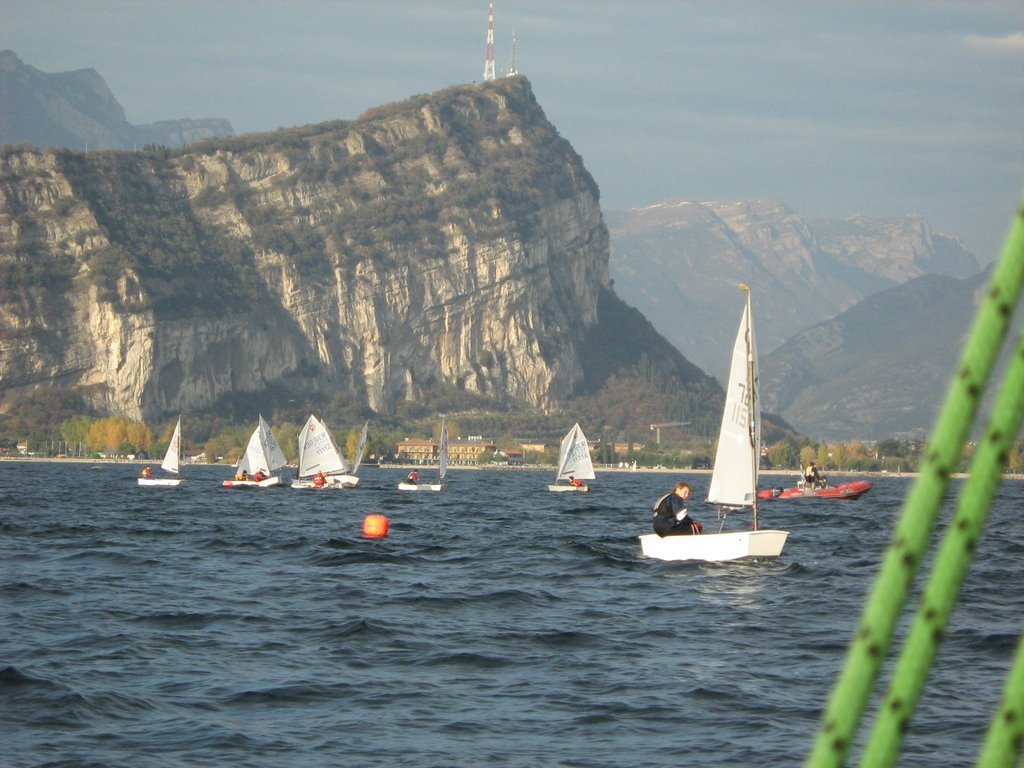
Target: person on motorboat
column 147, row 472
column 413, row 477
column 671, row 517
column 813, row 477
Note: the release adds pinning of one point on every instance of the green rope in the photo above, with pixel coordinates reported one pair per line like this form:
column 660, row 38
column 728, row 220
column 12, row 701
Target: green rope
column 948, row 571
column 871, row 642
column 1006, row 731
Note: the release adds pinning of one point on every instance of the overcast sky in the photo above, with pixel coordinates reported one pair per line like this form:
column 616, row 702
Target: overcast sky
column 836, row 108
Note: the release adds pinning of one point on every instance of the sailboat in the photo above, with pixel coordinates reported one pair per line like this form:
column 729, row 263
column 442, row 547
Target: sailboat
column 171, row 462
column 348, row 478
column 574, row 461
column 319, row 458
column 262, row 455
column 734, row 477
column 321, row 464
column 442, row 466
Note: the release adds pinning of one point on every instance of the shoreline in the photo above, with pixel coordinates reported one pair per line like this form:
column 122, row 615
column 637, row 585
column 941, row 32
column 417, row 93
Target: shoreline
column 506, row 468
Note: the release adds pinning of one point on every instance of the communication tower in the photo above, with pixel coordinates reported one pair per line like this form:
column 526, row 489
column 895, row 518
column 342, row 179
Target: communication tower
column 512, row 67
column 489, row 59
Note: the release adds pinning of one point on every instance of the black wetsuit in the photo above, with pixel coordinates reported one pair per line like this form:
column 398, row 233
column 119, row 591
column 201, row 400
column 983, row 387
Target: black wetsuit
column 665, row 522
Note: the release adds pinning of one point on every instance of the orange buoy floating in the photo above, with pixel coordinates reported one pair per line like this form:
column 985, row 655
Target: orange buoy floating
column 375, row 526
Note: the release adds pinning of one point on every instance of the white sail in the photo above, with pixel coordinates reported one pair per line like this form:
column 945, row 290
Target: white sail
column 274, row 453
column 172, row 458
column 253, row 458
column 442, row 452
column 263, row 452
column 734, row 478
column 360, row 448
column 574, row 456
column 317, row 450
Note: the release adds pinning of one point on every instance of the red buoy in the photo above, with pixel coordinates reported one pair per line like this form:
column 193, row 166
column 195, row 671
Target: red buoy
column 375, row 526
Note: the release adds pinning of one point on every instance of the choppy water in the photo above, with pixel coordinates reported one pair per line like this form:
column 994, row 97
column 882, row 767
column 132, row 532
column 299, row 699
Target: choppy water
column 498, row 624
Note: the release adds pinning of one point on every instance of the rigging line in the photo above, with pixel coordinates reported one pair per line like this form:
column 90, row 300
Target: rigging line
column 1006, row 730
column 870, row 643
column 948, row 570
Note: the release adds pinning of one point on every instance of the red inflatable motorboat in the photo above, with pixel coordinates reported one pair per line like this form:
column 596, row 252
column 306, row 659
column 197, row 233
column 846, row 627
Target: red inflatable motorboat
column 851, row 490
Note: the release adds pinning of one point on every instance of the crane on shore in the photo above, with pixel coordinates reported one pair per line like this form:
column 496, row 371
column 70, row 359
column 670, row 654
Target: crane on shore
column 657, row 428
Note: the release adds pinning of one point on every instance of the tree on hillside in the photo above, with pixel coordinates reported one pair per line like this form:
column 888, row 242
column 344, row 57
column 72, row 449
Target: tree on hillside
column 118, row 433
column 76, row 429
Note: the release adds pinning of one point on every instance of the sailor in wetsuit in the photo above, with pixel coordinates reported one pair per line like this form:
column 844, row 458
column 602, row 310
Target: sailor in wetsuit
column 670, row 515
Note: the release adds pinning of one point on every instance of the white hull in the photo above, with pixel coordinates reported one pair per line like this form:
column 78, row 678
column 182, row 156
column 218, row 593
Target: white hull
column 563, row 488
column 421, row 486
column 270, row 482
column 164, row 481
column 310, row 485
column 334, row 482
column 714, row 547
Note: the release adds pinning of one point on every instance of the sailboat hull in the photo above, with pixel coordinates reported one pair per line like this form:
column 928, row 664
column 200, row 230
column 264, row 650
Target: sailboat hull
column 333, row 482
column 161, row 481
column 270, row 482
column 714, row 547
column 421, row 486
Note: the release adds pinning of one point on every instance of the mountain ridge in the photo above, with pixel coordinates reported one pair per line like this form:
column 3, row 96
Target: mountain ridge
column 800, row 273
column 880, row 369
column 77, row 110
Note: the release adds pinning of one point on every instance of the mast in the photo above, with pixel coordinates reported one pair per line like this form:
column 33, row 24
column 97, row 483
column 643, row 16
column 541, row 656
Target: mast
column 752, row 403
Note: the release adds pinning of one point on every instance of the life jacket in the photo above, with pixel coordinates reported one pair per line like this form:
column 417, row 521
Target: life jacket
column 663, row 506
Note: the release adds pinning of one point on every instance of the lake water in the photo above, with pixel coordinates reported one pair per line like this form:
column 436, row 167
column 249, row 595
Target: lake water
column 498, row 624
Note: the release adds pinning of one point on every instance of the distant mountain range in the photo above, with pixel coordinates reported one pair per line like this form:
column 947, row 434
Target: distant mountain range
column 77, row 110
column 858, row 321
column 800, row 273
column 880, row 369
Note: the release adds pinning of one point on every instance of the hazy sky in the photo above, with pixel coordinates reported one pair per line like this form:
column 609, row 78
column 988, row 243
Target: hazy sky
column 837, row 108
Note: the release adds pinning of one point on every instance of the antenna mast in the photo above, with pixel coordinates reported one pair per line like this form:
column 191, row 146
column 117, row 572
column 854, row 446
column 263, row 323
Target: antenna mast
column 512, row 69
column 489, row 59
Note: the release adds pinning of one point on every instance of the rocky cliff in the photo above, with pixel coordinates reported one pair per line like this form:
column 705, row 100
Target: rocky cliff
column 451, row 240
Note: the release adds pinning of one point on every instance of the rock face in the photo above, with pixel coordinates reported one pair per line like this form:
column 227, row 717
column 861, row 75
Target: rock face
column 451, row 240
column 77, row 110
column 800, row 273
